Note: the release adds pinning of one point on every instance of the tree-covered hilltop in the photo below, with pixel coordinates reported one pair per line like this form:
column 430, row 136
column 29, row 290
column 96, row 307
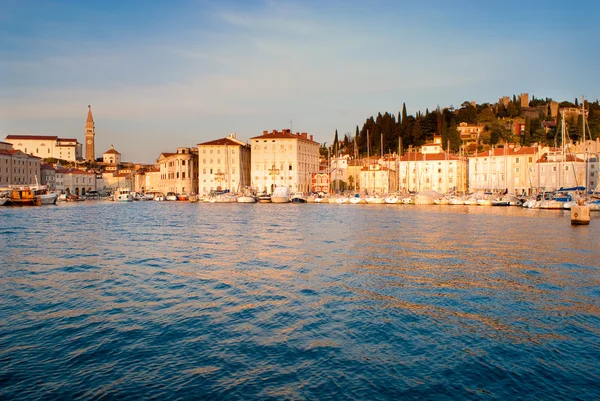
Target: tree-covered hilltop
column 538, row 124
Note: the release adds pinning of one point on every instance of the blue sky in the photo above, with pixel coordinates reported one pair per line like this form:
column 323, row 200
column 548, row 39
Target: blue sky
column 162, row 74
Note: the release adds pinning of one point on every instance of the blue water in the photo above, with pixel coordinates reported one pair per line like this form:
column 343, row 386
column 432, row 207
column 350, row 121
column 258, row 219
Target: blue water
column 172, row 300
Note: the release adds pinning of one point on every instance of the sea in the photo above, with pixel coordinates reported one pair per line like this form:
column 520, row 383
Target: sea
column 178, row 301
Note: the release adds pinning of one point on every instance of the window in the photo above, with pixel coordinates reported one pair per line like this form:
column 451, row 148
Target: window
column 516, row 169
column 516, row 159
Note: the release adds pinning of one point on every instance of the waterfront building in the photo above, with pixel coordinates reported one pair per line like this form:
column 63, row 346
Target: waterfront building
column 354, row 168
column 338, row 165
column 223, row 164
column 111, row 156
column 511, row 169
column 179, row 171
column 556, row 169
column 377, row 179
column 47, row 146
column 320, row 182
column 17, row 167
column 74, row 181
column 280, row 158
column 151, row 179
column 431, row 168
column 90, row 137
column 48, row 176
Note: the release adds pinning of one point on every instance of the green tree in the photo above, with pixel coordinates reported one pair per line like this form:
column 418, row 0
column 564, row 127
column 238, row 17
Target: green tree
column 454, row 137
column 336, row 144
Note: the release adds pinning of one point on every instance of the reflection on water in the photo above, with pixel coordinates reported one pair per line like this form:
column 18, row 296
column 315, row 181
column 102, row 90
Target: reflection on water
column 179, row 300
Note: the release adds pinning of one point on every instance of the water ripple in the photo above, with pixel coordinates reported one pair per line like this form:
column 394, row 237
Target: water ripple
column 180, row 301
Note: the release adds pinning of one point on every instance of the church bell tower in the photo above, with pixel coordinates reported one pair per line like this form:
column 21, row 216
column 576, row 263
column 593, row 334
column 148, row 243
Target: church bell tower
column 89, row 136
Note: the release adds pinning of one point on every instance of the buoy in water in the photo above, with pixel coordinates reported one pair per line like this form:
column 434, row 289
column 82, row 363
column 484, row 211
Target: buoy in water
column 580, row 215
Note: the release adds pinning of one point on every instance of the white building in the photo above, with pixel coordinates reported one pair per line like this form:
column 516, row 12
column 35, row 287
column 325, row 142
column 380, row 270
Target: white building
column 431, row 168
column 339, row 169
column 179, row 171
column 74, row 181
column 280, row 158
column 556, row 169
column 378, row 179
column 111, row 156
column 511, row 168
column 48, row 176
column 223, row 164
column 44, row 146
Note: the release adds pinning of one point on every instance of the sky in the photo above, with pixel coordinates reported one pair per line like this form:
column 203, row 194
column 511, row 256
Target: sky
column 165, row 74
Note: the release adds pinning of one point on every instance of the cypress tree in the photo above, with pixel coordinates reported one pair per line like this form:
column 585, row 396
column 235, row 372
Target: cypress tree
column 336, row 144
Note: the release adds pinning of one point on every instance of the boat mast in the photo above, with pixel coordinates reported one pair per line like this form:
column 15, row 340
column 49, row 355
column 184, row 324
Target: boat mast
column 587, row 159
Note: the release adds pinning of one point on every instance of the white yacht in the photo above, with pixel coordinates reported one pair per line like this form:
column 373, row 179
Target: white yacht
column 281, row 195
column 123, row 195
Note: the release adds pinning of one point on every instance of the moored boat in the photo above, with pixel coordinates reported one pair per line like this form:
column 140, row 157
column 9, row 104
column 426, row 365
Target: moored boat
column 280, row 195
column 123, row 195
column 264, row 198
column 23, row 196
column 298, row 197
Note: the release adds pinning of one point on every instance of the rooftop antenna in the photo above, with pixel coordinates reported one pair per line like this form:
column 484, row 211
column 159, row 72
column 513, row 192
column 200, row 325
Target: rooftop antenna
column 291, row 127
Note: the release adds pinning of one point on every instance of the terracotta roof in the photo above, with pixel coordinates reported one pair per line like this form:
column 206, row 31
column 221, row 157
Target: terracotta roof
column 568, row 158
column 284, row 134
column 111, row 151
column 47, row 137
column 508, row 152
column 411, row 157
column 67, row 140
column 222, row 141
column 73, row 171
column 46, row 166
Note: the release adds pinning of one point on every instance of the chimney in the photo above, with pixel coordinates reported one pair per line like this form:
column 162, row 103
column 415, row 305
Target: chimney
column 265, row 132
column 311, row 137
column 304, row 135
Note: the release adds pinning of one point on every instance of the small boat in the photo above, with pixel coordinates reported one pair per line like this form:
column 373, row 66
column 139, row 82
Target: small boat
column 23, row 196
column 158, row 197
column 46, row 197
column 375, row 200
column 392, row 200
column 264, row 198
column 123, row 195
column 281, row 195
column 341, row 199
column 246, row 198
column 298, row 197
column 171, row 196
column 357, row 199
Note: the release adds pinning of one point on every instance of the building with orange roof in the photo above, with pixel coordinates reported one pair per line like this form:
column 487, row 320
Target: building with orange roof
column 111, row 156
column 558, row 169
column 179, row 171
column 223, row 164
column 74, row 181
column 47, row 146
column 281, row 158
column 510, row 168
column 430, row 168
column 17, row 167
